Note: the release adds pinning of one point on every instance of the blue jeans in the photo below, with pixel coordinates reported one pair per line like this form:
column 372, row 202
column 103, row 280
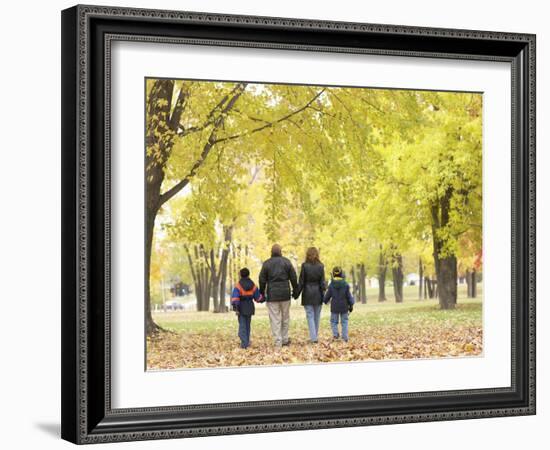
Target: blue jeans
column 244, row 330
column 342, row 317
column 313, row 316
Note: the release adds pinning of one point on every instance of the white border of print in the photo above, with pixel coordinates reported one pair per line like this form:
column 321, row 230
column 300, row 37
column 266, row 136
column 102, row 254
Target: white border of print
column 132, row 386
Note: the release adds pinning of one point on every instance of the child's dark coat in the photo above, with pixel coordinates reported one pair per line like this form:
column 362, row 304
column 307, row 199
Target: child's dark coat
column 339, row 295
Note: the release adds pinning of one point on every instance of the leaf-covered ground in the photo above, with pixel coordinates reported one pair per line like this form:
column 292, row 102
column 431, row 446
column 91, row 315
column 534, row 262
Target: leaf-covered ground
column 413, row 329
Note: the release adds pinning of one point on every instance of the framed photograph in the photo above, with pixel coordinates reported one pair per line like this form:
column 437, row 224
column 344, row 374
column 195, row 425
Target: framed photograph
column 282, row 224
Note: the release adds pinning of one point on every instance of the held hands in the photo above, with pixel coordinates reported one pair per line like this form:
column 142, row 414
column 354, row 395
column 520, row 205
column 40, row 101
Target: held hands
column 350, row 308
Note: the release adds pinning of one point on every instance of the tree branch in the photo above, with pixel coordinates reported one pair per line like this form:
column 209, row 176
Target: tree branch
column 271, row 124
column 211, row 116
column 372, row 105
column 238, row 91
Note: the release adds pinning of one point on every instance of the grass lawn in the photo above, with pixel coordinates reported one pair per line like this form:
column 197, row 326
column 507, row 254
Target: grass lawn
column 412, row 329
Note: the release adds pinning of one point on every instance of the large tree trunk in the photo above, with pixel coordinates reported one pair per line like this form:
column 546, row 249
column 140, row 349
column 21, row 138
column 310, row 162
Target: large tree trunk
column 398, row 277
column 382, row 269
column 445, row 263
column 159, row 105
column 446, row 281
column 150, row 326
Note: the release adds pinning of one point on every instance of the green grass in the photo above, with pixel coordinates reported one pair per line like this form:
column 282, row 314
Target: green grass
column 412, row 312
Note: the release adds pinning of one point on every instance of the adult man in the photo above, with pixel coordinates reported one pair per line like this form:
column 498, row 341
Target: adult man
column 277, row 272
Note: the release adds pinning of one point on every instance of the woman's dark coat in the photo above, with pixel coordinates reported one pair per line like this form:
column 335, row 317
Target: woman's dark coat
column 311, row 284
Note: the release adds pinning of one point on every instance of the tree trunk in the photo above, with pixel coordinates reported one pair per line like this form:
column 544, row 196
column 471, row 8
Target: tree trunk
column 446, row 281
column 199, row 285
column 150, row 326
column 215, row 279
column 445, row 263
column 228, row 231
column 362, row 282
column 430, row 287
column 222, row 306
column 159, row 105
column 382, row 269
column 204, row 283
column 354, row 282
column 397, row 272
column 473, row 283
column 468, row 284
column 205, row 289
column 358, row 274
column 420, row 278
column 232, row 280
column 193, row 272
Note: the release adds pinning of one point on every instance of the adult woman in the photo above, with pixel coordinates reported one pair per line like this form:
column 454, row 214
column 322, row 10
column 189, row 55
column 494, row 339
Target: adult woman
column 312, row 286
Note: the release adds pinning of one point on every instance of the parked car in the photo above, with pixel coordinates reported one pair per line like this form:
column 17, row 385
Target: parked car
column 174, row 305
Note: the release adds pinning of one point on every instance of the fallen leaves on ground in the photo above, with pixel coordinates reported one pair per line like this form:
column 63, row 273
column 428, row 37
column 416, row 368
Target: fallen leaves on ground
column 218, row 346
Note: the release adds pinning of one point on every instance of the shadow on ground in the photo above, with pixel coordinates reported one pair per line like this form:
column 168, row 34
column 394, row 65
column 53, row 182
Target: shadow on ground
column 53, row 429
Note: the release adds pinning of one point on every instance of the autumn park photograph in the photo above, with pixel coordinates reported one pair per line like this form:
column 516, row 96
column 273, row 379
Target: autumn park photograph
column 310, row 224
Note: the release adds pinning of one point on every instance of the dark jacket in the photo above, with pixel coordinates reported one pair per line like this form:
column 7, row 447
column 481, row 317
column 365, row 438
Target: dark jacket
column 311, row 283
column 339, row 296
column 276, row 273
column 243, row 297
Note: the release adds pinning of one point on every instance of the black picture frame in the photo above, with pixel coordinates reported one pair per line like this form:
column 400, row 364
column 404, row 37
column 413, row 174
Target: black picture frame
column 87, row 416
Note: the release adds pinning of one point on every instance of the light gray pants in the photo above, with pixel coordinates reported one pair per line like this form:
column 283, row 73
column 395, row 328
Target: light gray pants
column 279, row 317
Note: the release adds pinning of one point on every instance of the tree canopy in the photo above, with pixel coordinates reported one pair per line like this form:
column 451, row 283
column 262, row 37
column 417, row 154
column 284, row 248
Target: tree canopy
column 356, row 172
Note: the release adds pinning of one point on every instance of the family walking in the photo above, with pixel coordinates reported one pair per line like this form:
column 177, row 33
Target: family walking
column 278, row 283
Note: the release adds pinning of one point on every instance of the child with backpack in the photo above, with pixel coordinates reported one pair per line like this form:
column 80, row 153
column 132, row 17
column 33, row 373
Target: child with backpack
column 244, row 294
column 341, row 303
